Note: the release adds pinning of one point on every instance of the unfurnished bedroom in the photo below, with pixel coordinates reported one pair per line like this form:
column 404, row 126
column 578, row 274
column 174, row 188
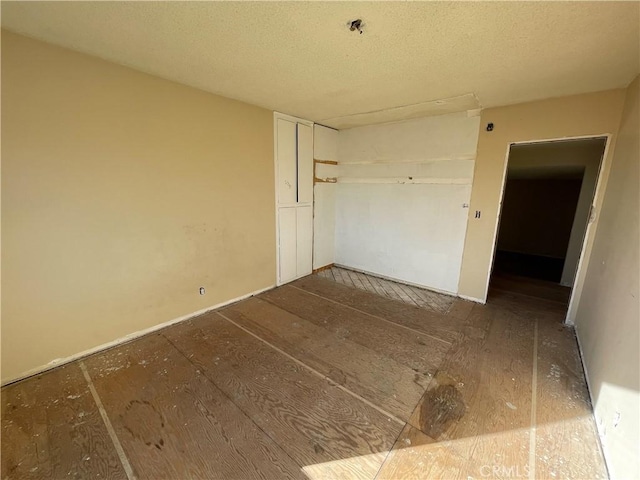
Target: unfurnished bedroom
column 320, row 240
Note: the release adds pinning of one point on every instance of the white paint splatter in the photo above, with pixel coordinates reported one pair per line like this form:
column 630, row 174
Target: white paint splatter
column 555, row 371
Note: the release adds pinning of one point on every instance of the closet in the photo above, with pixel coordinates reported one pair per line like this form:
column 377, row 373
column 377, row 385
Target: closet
column 294, row 196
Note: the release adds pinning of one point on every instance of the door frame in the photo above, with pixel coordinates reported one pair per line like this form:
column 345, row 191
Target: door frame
column 283, row 116
column 578, row 281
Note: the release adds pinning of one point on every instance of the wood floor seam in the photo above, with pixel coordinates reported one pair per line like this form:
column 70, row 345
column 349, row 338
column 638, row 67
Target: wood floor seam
column 374, row 316
column 107, row 423
column 395, row 442
column 222, row 392
column 279, row 305
column 534, row 396
column 316, row 372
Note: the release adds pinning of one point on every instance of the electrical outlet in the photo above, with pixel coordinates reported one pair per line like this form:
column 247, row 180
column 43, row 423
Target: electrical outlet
column 202, row 291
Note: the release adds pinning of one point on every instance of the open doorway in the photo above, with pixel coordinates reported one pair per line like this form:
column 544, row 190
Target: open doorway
column 546, row 207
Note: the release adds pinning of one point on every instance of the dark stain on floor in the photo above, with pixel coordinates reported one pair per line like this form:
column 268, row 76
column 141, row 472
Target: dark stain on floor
column 441, row 407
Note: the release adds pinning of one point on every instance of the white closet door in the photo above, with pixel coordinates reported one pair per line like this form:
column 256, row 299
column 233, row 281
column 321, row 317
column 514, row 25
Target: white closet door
column 288, row 239
column 304, row 240
column 305, row 164
column 294, row 170
column 287, row 162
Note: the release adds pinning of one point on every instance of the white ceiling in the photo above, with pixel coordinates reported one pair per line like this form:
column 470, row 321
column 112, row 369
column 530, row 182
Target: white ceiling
column 300, row 58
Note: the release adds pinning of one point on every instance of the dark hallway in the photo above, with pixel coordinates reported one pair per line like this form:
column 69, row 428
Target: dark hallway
column 549, row 188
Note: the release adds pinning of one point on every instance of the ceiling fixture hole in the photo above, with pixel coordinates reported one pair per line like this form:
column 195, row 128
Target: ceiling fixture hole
column 356, row 25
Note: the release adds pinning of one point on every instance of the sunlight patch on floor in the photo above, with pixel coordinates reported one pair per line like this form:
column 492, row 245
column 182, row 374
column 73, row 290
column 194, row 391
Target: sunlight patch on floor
column 503, row 455
column 365, row 466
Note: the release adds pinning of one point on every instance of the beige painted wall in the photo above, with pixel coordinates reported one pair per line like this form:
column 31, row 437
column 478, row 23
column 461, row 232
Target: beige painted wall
column 608, row 318
column 579, row 115
column 122, row 194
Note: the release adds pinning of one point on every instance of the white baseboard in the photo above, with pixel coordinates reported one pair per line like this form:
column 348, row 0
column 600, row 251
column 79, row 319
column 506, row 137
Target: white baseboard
column 472, row 299
column 127, row 338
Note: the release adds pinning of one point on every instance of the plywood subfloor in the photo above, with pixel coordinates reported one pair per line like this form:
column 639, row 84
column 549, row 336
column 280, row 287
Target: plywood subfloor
column 317, row 379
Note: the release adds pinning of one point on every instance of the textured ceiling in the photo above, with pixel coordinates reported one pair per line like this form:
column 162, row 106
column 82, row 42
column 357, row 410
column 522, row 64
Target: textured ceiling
column 300, row 58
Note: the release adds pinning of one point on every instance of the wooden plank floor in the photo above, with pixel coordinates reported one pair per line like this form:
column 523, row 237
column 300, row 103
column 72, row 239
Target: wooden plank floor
column 319, row 379
column 532, row 287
